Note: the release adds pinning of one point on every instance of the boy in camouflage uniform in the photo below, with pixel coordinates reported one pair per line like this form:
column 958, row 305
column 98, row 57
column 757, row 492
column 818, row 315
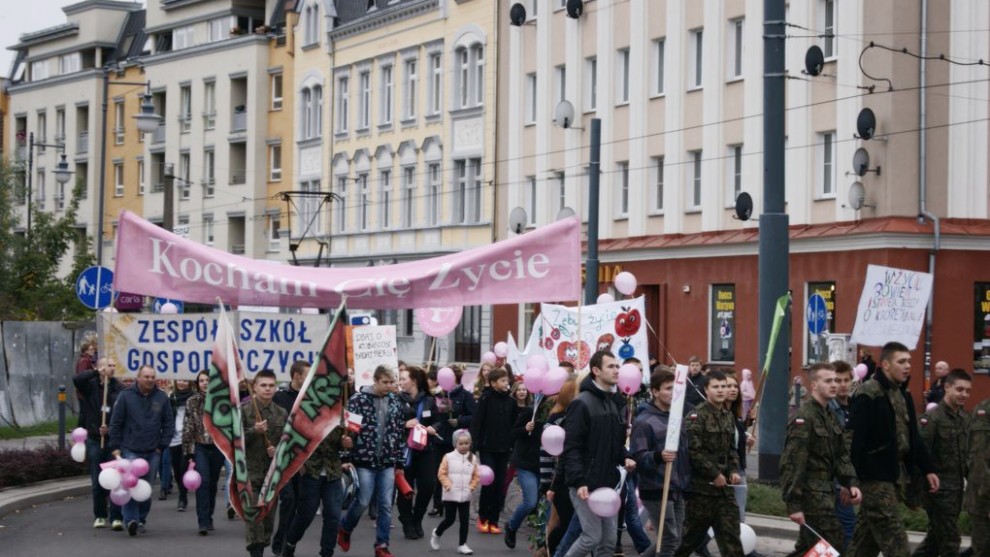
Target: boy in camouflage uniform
column 977, row 500
column 263, row 422
column 945, row 434
column 711, row 432
column 814, row 457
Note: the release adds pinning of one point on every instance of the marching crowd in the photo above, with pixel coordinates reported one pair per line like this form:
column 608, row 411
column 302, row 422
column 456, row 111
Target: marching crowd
column 411, row 445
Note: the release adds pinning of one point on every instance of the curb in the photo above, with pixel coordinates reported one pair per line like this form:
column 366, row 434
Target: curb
column 17, row 498
column 782, row 528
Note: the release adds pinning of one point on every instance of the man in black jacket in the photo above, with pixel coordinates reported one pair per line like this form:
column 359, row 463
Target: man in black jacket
column 886, row 447
column 594, row 449
column 91, row 386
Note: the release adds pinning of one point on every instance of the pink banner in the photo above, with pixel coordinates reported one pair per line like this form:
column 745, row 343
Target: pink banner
column 540, row 266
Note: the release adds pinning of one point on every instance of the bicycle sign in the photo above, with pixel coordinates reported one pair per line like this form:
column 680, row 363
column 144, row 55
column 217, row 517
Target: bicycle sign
column 94, row 287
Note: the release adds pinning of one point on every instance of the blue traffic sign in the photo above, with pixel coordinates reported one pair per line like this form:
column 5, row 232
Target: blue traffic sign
column 817, row 314
column 159, row 302
column 94, row 287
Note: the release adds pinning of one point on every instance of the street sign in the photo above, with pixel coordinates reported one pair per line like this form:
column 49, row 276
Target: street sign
column 159, row 302
column 94, row 287
column 817, row 314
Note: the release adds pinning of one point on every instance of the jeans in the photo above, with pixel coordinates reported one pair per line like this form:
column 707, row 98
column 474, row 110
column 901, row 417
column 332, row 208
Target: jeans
column 847, row 518
column 673, row 524
column 288, row 498
column 134, row 511
column 164, row 472
column 382, row 481
column 529, row 483
column 597, row 534
column 634, row 525
column 740, row 491
column 570, row 536
column 209, row 462
column 228, row 469
column 313, row 492
column 101, row 497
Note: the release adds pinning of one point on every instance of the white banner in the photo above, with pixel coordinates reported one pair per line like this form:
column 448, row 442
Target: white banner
column 178, row 346
column 616, row 326
column 676, row 409
column 374, row 345
column 892, row 306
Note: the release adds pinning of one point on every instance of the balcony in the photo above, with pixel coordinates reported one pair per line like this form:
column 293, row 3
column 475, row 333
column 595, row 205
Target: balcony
column 238, row 122
column 82, row 144
column 158, row 136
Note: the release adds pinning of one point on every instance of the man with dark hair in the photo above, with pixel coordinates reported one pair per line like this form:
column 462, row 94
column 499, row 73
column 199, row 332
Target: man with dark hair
column 263, row 423
column 813, row 460
column 886, row 447
column 289, row 496
column 945, row 433
column 840, row 407
column 594, row 440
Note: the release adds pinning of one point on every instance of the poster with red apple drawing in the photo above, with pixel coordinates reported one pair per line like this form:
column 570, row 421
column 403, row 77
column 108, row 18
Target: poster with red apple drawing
column 617, row 326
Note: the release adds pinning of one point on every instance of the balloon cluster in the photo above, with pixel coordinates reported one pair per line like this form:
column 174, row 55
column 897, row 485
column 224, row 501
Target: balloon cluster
column 78, row 450
column 122, row 478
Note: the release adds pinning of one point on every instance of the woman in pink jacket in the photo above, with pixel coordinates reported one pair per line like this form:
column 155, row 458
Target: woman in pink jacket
column 459, row 477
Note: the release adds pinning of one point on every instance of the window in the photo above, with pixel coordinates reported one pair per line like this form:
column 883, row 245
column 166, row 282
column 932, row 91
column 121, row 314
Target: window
column 118, row 179
column 658, row 66
column 695, row 198
column 185, row 108
column 140, row 177
column 385, row 199
column 463, row 77
column 561, row 190
column 623, row 177
column 274, row 225
column 42, row 130
column 39, row 197
column 470, row 76
column 312, row 29
column 275, row 162
column 828, row 20
column 826, row 172
column 467, row 195
column 341, row 208
column 697, row 57
column 409, row 106
column 118, row 122
column 436, row 83
column 530, row 197
column 722, row 323
column 815, row 348
column 309, row 210
column 591, row 86
column 530, row 98
column 560, row 83
column 69, row 63
column 219, row 29
column 209, row 178
column 434, row 195
column 364, row 100
column 210, row 104
column 277, row 91
column 182, row 37
column 735, row 59
column 657, row 183
column 343, row 104
column 387, row 95
column 408, row 195
column 734, row 173
column 60, row 124
column 364, row 200
column 312, row 112
column 622, row 77
column 208, row 236
column 39, row 70
column 478, row 55
column 59, row 196
column 183, row 178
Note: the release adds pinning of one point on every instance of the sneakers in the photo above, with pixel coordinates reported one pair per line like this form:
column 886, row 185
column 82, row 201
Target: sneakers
column 434, row 540
column 117, row 525
column 181, row 505
column 494, row 529
column 483, row 526
column 203, row 531
column 163, row 494
column 344, row 540
column 132, row 527
column 464, row 550
column 140, row 527
column 288, row 550
column 100, row 523
column 382, row 551
column 230, row 512
column 418, row 529
column 510, row 538
column 435, row 511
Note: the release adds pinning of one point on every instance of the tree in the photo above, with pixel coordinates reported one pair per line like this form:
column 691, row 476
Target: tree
column 30, row 285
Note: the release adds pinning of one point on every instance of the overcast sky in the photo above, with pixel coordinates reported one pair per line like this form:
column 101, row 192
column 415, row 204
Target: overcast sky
column 30, row 15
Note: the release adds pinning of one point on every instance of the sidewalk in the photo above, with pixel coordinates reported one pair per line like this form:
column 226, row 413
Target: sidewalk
column 34, row 442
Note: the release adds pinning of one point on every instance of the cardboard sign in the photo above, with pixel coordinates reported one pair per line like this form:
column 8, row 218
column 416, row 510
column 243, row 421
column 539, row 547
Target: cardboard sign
column 617, row 326
column 676, row 409
column 373, row 346
column 892, row 306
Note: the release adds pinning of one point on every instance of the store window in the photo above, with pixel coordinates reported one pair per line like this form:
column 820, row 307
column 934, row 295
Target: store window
column 722, row 325
column 981, row 322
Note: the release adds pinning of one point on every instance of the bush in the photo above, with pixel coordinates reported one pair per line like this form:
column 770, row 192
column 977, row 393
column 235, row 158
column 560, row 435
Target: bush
column 26, row 466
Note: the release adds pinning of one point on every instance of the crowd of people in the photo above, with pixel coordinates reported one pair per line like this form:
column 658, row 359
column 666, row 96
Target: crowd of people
column 411, row 445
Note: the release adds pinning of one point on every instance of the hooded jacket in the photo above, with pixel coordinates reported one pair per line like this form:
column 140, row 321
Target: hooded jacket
column 649, row 435
column 377, row 446
column 89, row 391
column 594, row 437
column 491, row 426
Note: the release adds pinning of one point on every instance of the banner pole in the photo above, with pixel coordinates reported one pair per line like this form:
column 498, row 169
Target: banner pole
column 663, row 504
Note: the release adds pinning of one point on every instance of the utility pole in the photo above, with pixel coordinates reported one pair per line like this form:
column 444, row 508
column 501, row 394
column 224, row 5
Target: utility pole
column 168, row 219
column 594, row 177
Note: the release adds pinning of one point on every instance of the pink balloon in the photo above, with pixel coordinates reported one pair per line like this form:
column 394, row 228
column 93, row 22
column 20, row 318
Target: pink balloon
column 625, row 282
column 128, row 480
column 552, row 440
column 139, row 467
column 501, row 349
column 553, row 380
column 486, row 474
column 447, row 379
column 438, row 322
column 122, row 465
column 861, row 370
column 537, row 361
column 605, row 298
column 931, row 406
column 534, row 380
column 630, row 378
column 604, row 502
column 120, row 496
column 79, row 435
column 191, row 479
column 489, row 358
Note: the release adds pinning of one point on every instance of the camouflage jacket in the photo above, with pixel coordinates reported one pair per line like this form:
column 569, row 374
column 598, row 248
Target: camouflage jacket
column 977, row 498
column 814, row 456
column 945, row 432
column 326, row 457
column 256, row 444
column 711, row 447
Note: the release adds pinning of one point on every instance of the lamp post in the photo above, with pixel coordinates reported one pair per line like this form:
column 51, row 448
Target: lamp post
column 147, row 122
column 62, row 173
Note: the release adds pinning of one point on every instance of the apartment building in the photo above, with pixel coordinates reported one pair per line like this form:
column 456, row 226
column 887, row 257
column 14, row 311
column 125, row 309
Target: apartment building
column 678, row 87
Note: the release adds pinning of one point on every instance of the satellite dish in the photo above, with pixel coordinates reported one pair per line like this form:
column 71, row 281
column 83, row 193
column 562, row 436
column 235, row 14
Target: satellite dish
column 564, row 213
column 857, row 196
column 744, row 206
column 517, row 14
column 814, row 61
column 575, row 8
column 861, row 161
column 563, row 114
column 866, row 124
column 517, row 220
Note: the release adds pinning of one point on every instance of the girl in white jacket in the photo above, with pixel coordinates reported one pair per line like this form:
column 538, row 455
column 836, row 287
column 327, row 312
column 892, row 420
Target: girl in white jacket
column 459, row 477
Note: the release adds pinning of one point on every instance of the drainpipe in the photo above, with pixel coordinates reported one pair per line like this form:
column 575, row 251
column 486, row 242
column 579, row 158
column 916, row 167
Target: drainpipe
column 923, row 213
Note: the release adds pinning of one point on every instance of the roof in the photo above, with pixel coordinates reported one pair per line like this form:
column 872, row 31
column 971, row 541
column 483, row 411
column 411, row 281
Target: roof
column 132, row 38
column 349, row 11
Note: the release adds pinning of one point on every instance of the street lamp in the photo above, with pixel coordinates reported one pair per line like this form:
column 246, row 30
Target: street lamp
column 147, row 122
column 62, row 173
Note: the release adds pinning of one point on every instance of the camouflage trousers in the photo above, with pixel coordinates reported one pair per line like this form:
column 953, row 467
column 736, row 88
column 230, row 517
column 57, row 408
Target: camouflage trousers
column 260, row 533
column 718, row 512
column 980, row 526
column 819, row 513
column 942, row 539
column 879, row 527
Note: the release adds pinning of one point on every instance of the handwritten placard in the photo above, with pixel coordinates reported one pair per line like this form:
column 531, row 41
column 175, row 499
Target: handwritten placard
column 374, row 345
column 892, row 306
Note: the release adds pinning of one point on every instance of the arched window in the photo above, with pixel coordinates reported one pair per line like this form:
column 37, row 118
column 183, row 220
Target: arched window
column 469, row 75
column 311, row 112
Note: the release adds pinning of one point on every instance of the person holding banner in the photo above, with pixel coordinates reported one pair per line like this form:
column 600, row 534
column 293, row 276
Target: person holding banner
column 813, row 460
column 97, row 390
column 649, row 435
column 263, row 423
column 288, row 497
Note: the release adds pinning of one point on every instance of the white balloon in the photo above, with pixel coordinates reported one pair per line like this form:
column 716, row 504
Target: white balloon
column 109, row 479
column 748, row 538
column 78, row 452
column 168, row 308
column 142, row 491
